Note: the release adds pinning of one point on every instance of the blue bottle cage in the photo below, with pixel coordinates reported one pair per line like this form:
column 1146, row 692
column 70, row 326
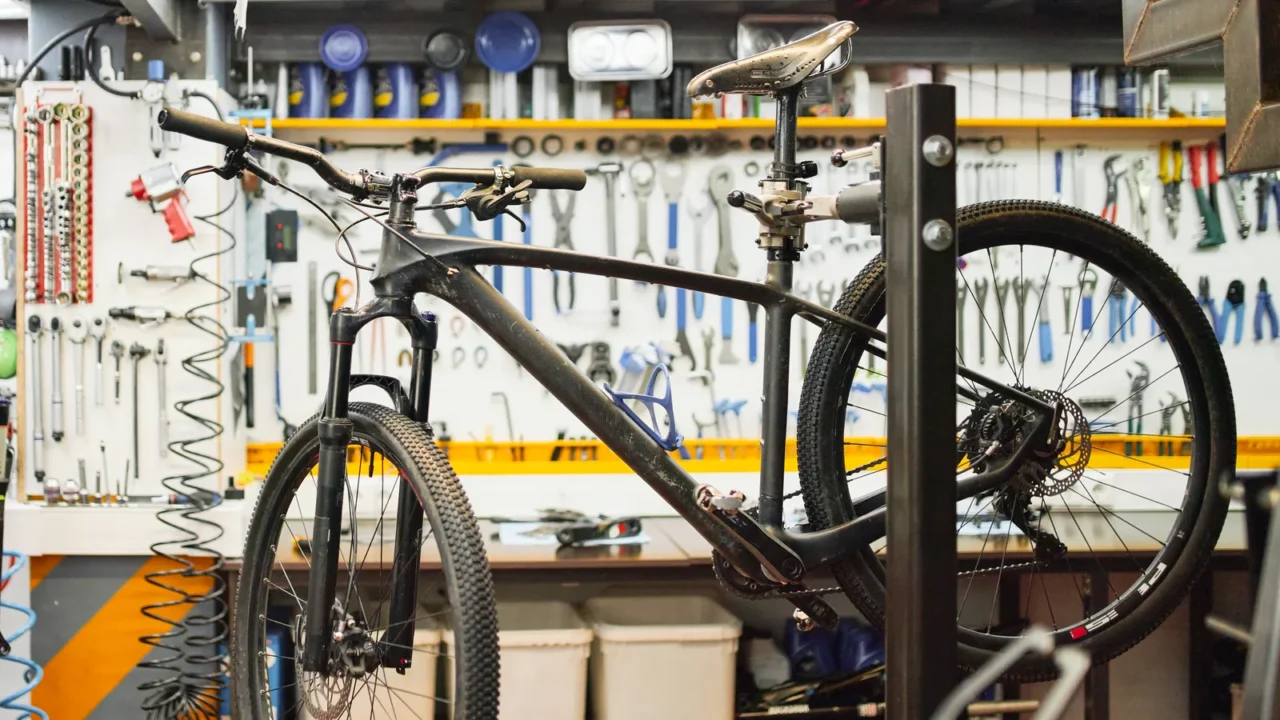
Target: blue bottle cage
column 673, row 439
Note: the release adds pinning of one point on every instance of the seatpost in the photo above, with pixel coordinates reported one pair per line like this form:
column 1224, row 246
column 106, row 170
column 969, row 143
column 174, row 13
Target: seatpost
column 784, row 138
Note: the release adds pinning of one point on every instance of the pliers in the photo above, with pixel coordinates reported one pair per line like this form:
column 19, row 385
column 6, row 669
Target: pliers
column 564, row 241
column 1232, row 305
column 1264, row 305
column 1113, row 187
column 1268, row 189
column 1167, row 410
column 1206, row 303
column 1171, row 179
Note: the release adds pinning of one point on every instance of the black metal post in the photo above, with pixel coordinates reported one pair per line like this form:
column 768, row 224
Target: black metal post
column 920, row 250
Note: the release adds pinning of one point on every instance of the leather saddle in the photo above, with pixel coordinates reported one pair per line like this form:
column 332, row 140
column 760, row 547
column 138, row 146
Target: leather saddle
column 774, row 70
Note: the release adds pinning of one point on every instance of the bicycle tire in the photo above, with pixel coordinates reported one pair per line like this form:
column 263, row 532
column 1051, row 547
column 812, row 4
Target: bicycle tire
column 834, row 360
column 467, row 580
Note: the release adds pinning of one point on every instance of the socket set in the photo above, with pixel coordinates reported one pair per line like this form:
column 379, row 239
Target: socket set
column 58, row 234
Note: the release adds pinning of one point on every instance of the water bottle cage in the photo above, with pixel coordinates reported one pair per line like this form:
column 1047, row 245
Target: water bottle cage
column 673, row 439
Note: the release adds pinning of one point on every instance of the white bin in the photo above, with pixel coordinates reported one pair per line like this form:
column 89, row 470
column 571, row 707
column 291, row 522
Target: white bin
column 662, row 657
column 544, row 647
column 418, row 684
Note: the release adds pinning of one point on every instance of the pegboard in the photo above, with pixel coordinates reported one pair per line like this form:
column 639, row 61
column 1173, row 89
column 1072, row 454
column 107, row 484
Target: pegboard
column 128, row 236
column 467, row 399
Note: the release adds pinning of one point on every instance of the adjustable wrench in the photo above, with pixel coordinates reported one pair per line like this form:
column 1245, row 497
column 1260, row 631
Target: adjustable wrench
column 162, row 360
column 35, row 331
column 980, row 288
column 1021, row 289
column 699, row 212
column 720, row 184
column 98, row 329
column 136, row 352
column 1002, row 294
column 55, row 382
column 642, row 175
column 78, row 334
column 609, row 171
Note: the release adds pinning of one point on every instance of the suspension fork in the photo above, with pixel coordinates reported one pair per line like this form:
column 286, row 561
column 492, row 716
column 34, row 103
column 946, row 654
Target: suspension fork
column 326, row 535
column 397, row 640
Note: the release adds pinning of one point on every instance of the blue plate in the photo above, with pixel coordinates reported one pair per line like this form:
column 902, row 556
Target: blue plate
column 507, row 42
column 343, row 48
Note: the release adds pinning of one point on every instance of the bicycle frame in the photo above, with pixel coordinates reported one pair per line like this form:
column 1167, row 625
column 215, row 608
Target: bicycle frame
column 445, row 267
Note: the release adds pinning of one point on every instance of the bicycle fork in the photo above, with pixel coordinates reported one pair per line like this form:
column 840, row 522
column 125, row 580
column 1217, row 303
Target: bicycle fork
column 323, row 613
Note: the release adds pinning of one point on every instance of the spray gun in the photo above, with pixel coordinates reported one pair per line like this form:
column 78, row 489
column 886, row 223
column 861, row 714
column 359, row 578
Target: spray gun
column 161, row 187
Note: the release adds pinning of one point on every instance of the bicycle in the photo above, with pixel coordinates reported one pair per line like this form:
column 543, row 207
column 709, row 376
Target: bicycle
column 1023, row 447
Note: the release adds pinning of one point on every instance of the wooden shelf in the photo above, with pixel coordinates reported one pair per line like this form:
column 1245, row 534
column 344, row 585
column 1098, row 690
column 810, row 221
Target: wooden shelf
column 534, row 126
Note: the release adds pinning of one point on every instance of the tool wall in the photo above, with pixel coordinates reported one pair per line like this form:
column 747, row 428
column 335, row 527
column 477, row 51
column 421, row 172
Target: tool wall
column 104, row 350
column 481, row 394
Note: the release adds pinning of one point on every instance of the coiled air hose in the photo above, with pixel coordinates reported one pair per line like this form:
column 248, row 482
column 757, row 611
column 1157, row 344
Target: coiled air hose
column 33, row 673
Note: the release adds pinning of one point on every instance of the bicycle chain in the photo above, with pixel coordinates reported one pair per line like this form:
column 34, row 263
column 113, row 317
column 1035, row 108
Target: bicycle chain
column 743, row 589
column 1002, row 568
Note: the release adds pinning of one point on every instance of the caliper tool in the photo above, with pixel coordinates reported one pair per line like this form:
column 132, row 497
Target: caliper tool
column 1210, row 223
column 1207, row 304
column 1232, row 306
column 1113, row 189
column 1265, row 306
column 563, row 215
column 1171, row 179
column 1267, row 191
column 609, row 171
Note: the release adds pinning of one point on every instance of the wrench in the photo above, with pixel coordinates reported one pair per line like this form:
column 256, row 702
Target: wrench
column 136, row 352
column 609, row 171
column 720, row 184
column 672, row 184
column 699, row 212
column 117, row 352
column 98, row 329
column 708, row 341
column 78, row 334
column 826, row 293
column 961, row 294
column 726, row 332
column 1021, row 289
column 55, row 382
column 162, row 360
column 642, row 175
column 1002, row 294
column 35, row 331
column 1067, row 290
column 1088, row 281
column 980, row 288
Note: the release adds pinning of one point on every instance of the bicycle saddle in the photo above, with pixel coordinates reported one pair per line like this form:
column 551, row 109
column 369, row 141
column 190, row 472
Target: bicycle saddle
column 773, row 70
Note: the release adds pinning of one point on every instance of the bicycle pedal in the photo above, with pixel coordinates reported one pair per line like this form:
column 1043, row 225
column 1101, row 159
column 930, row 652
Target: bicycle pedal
column 651, row 402
column 813, row 611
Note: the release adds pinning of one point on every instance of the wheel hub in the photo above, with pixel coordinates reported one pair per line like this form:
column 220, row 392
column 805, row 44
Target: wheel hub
column 352, row 655
column 997, row 427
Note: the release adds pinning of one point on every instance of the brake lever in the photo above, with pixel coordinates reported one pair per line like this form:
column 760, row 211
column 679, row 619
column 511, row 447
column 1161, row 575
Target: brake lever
column 236, row 162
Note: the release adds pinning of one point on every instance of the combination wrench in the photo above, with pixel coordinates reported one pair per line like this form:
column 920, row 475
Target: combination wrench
column 1002, row 294
column 35, row 331
column 609, row 172
column 98, row 329
column 699, row 213
column 642, row 176
column 673, row 174
column 1021, row 289
column 720, row 184
column 78, row 334
column 55, row 382
column 980, row 289
column 162, row 361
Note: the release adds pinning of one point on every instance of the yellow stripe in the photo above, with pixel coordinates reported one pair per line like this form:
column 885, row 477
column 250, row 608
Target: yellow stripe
column 42, row 565
column 97, row 658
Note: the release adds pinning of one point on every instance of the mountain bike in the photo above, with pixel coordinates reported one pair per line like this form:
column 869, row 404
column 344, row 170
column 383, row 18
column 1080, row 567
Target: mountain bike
column 1023, row 444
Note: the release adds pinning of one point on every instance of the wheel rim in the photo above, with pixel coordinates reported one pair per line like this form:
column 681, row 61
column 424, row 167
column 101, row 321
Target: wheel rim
column 363, row 593
column 1163, row 541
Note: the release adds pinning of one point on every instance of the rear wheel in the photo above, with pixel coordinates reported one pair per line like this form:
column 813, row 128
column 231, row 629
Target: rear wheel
column 272, row 598
column 1141, row 510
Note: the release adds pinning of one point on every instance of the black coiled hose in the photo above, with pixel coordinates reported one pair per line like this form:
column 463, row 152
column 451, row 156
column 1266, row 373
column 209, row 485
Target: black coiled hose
column 194, row 644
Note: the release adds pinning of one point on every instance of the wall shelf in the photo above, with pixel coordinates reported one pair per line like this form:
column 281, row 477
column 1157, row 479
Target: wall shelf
column 1196, row 126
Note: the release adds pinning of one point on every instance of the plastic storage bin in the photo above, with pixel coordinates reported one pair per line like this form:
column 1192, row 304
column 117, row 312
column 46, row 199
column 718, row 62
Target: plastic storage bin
column 544, row 646
column 662, row 657
column 418, row 682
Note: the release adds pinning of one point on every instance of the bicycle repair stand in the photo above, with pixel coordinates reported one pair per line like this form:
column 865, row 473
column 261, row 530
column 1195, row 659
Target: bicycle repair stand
column 919, row 201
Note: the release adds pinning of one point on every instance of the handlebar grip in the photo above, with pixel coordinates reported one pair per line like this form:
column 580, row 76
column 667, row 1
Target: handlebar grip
column 551, row 178
column 234, row 137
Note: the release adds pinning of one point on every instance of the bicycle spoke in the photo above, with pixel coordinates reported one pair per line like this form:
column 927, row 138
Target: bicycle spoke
column 1140, row 461
column 1077, row 382
column 1085, row 537
column 1135, row 394
column 1122, row 519
column 995, row 595
column 1071, row 335
column 1142, row 497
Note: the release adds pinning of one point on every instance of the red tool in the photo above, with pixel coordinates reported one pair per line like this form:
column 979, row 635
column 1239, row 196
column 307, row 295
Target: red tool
column 1113, row 181
column 162, row 189
column 1211, row 159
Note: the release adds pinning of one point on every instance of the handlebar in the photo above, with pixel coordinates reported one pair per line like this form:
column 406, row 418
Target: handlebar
column 239, row 138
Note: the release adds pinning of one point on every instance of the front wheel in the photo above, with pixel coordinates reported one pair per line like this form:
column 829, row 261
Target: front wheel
column 386, row 448
column 1034, row 284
